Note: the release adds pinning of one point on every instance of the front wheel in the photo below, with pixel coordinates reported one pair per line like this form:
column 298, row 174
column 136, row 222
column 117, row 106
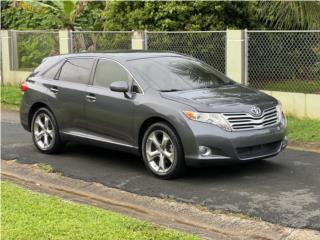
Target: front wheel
column 45, row 133
column 162, row 151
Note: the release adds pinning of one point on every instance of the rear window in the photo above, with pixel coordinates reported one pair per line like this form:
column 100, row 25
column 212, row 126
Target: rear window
column 52, row 72
column 46, row 64
column 76, row 70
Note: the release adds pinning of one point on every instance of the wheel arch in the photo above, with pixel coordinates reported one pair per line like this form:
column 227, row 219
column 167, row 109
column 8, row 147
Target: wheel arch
column 33, row 110
column 152, row 120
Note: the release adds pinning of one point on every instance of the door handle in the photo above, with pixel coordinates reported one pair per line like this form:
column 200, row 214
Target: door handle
column 54, row 90
column 90, row 98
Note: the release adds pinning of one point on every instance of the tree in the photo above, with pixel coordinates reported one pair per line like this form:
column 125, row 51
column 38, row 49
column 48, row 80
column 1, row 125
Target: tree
column 44, row 15
column 68, row 10
column 193, row 15
column 291, row 15
column 23, row 16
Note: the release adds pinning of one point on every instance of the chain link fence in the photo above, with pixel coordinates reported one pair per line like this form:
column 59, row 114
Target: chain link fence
column 28, row 48
column 207, row 46
column 284, row 60
column 276, row 60
column 100, row 41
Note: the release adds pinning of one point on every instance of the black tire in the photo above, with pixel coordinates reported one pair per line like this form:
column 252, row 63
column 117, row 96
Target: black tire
column 56, row 145
column 178, row 166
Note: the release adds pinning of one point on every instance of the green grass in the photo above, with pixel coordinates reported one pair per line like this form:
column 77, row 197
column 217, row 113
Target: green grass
column 304, row 129
column 45, row 167
column 292, row 86
column 29, row 215
column 10, row 96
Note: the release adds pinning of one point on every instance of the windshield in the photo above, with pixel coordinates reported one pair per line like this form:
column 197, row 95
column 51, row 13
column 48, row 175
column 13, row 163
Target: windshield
column 178, row 73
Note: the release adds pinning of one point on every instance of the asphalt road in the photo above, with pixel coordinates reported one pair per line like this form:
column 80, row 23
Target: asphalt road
column 284, row 189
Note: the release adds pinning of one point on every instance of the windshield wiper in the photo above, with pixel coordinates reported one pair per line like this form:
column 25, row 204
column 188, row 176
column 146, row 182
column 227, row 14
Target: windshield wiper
column 170, row 90
column 228, row 83
column 216, row 85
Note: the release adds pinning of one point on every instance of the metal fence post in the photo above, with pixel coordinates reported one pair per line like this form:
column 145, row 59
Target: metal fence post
column 145, row 39
column 225, row 52
column 70, row 41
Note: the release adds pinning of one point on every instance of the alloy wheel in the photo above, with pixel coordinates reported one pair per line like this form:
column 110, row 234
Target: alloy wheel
column 160, row 151
column 43, row 131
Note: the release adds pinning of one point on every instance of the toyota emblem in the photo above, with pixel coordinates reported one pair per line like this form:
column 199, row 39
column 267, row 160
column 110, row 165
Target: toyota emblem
column 255, row 111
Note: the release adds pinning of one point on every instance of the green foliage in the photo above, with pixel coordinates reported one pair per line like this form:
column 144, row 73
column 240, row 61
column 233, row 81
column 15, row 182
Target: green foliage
column 65, row 10
column 33, row 47
column 43, row 15
column 206, row 46
column 99, row 42
column 28, row 215
column 45, row 167
column 160, row 15
column 91, row 17
column 294, row 85
column 193, row 15
column 23, row 19
column 306, row 130
column 285, row 61
column 10, row 95
column 290, row 15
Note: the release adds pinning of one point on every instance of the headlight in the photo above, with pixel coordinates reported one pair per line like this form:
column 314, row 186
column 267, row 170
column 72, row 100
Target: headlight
column 213, row 118
column 281, row 116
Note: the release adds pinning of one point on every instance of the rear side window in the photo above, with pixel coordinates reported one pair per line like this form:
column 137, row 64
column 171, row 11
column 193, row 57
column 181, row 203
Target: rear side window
column 108, row 71
column 76, row 70
column 46, row 64
column 51, row 73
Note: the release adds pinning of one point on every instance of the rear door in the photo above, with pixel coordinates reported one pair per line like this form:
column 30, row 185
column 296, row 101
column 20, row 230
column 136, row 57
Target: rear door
column 68, row 92
column 110, row 114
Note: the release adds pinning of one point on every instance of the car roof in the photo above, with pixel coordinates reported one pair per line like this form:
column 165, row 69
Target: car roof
column 125, row 55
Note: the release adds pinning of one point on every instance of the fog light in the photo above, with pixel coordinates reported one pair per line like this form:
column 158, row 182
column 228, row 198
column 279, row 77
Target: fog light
column 204, row 151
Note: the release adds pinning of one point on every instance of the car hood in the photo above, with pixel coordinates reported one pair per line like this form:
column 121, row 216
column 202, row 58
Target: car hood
column 228, row 98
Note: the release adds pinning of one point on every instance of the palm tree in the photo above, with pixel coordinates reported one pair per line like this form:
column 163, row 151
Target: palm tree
column 67, row 10
column 291, row 14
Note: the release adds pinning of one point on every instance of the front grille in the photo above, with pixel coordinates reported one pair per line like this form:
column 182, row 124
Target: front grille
column 259, row 150
column 245, row 121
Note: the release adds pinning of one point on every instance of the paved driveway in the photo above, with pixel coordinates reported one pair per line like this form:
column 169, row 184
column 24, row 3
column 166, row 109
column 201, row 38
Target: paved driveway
column 284, row 189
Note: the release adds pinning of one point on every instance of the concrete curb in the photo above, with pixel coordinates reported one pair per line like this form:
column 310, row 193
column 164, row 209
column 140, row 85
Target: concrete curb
column 304, row 146
column 182, row 216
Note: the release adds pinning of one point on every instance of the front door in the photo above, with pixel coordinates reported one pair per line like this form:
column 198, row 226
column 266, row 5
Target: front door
column 109, row 114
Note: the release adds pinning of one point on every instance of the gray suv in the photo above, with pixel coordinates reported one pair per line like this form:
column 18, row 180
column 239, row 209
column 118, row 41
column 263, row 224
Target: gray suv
column 173, row 110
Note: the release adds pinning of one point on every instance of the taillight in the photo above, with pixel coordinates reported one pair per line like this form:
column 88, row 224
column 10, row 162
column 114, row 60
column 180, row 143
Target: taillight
column 24, row 87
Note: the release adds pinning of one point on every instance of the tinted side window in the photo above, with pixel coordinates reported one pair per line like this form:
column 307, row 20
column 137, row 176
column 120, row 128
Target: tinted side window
column 109, row 71
column 51, row 73
column 45, row 65
column 76, row 70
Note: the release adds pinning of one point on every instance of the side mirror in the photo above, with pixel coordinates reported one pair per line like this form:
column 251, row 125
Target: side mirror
column 119, row 86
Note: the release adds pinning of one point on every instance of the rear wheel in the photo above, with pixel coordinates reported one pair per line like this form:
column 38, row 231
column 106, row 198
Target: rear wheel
column 162, row 151
column 45, row 133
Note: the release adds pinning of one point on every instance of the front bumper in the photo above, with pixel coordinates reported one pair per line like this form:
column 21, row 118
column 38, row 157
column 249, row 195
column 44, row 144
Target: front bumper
column 238, row 145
